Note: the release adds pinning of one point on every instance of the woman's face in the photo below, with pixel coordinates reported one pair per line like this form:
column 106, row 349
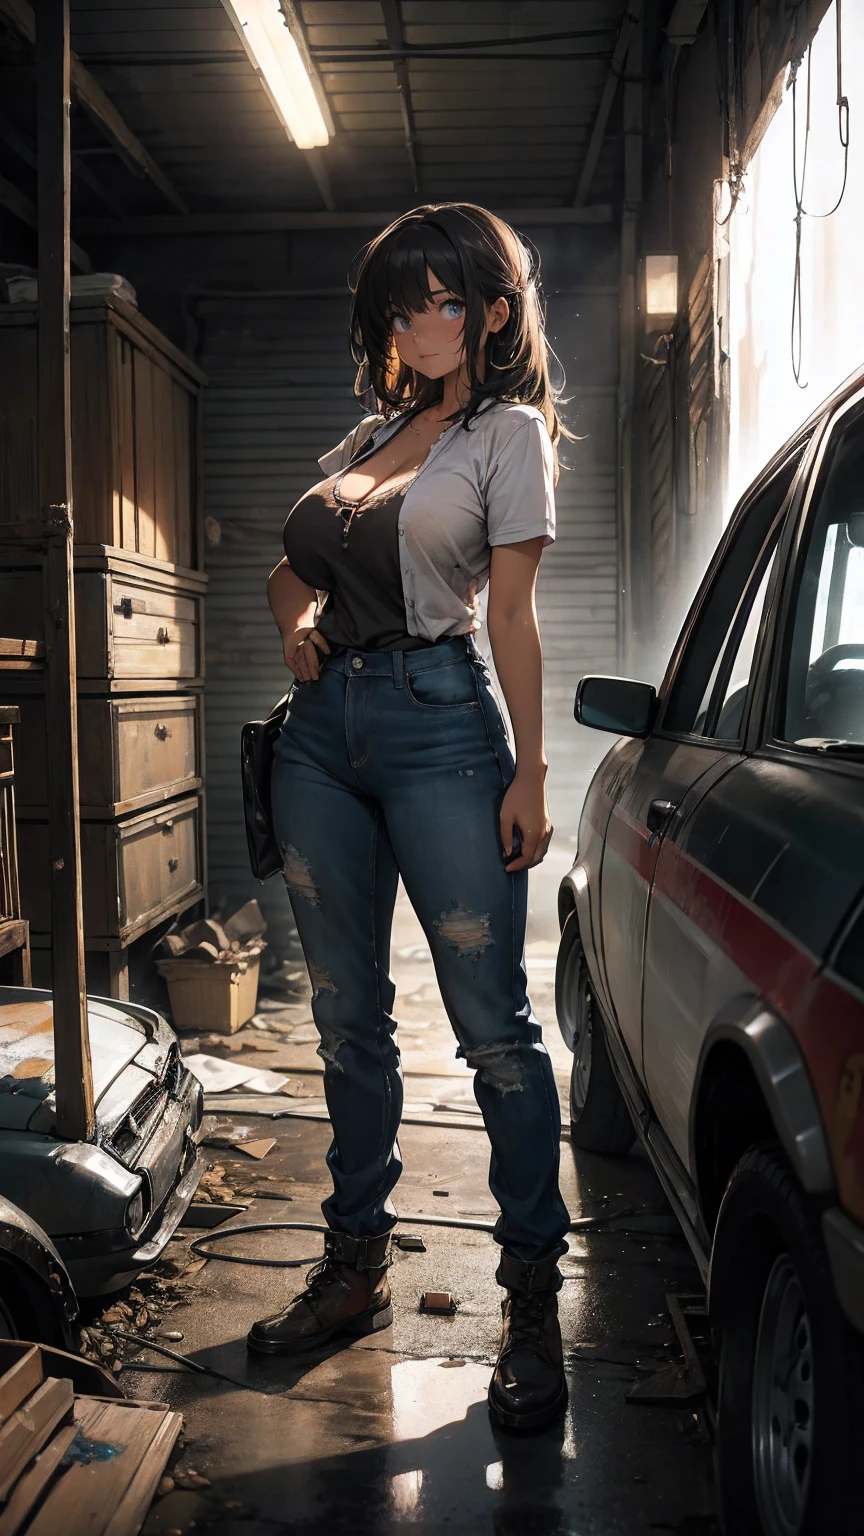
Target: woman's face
column 432, row 341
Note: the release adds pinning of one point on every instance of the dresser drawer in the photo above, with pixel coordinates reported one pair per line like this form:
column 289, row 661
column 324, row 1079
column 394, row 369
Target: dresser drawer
column 130, row 628
column 134, row 872
column 132, row 753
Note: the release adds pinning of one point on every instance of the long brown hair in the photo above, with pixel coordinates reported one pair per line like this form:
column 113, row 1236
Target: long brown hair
column 479, row 258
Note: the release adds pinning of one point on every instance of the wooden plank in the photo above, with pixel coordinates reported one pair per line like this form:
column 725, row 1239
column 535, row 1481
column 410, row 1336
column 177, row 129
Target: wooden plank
column 183, row 417
column 29, row 1488
column 107, row 1496
column 74, row 1078
column 19, row 1381
column 125, row 398
column 91, row 435
column 130, row 1512
column 29, row 1427
column 145, row 465
column 166, row 490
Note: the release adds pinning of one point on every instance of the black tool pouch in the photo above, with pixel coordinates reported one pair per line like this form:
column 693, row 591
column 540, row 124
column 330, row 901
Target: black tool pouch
column 257, row 745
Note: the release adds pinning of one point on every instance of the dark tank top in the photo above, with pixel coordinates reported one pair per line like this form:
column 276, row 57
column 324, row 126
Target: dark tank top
column 358, row 569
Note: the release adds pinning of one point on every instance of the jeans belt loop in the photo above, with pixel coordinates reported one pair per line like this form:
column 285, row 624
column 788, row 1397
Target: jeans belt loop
column 398, row 669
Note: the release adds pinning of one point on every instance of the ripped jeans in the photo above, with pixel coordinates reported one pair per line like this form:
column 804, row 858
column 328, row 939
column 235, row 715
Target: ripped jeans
column 396, row 763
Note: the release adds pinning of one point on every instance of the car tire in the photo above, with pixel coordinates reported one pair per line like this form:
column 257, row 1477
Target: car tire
column 790, row 1395
column 599, row 1118
column 26, row 1308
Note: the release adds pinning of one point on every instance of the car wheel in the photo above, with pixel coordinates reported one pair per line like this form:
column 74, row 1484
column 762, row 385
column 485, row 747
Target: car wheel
column 790, row 1410
column 26, row 1308
column 599, row 1118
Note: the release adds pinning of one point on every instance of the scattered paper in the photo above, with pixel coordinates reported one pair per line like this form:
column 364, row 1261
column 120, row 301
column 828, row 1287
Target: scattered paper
column 265, row 1082
column 257, row 1149
column 218, row 1076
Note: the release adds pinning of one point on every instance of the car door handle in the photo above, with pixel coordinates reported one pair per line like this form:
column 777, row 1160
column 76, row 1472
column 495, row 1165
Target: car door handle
column 659, row 814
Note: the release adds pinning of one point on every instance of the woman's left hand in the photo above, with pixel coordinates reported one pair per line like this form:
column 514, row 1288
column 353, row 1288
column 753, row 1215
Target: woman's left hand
column 524, row 806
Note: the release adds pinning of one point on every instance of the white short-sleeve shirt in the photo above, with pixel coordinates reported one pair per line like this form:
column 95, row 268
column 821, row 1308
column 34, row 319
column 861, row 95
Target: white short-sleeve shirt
column 491, row 484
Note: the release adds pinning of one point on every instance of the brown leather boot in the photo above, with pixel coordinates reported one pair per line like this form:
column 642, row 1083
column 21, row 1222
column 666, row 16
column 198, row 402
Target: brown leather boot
column 528, row 1388
column 347, row 1293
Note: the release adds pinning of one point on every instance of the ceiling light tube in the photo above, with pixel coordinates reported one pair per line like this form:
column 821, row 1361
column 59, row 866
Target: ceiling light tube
column 260, row 25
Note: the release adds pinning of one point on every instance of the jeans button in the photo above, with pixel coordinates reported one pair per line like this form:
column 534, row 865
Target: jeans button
column 356, row 662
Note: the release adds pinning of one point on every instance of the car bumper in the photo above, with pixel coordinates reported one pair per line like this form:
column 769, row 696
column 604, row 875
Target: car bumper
column 844, row 1240
column 103, row 1261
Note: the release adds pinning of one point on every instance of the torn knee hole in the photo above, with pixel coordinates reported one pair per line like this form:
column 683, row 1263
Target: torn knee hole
column 469, row 933
column 499, row 1066
column 297, row 874
column 329, row 1049
column 320, row 979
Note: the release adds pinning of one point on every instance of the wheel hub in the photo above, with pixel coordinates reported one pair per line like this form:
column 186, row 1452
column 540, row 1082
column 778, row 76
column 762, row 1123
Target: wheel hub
column 582, row 1034
column 783, row 1403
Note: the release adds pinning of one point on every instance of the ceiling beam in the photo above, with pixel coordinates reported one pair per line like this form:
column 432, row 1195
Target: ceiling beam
column 90, row 96
column 396, row 38
column 19, row 204
column 598, row 132
column 267, row 223
column 22, row 146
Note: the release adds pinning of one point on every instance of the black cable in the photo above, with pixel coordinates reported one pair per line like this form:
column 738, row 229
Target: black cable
column 796, row 328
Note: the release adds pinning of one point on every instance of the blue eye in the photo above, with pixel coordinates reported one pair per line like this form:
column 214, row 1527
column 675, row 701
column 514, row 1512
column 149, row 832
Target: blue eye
column 453, row 309
column 401, row 324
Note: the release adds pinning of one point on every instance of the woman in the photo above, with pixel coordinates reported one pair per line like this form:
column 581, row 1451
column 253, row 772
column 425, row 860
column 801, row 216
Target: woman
column 394, row 760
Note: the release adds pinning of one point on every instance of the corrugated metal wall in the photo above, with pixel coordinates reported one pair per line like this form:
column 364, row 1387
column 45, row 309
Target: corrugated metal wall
column 280, row 392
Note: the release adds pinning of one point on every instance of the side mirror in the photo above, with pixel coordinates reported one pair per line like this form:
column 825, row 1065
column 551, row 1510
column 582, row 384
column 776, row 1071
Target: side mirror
column 615, row 704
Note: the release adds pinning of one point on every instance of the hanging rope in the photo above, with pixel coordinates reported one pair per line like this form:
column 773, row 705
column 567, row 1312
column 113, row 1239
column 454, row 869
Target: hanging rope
column 797, row 326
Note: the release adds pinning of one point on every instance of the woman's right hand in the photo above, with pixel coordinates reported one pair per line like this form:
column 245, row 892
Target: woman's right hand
column 303, row 650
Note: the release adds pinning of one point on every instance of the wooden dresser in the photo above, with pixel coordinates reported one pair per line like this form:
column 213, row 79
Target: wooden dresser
column 14, row 936
column 139, row 591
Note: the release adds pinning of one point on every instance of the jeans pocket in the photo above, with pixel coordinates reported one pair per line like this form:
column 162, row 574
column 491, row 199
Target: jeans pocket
column 450, row 686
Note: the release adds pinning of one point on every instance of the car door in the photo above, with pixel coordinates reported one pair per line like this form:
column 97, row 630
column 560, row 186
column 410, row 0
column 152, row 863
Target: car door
column 652, row 783
column 751, row 887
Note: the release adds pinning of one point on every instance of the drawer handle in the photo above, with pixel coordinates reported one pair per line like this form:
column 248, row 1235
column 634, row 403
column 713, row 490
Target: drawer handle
column 161, row 732
column 173, row 864
column 163, row 635
column 167, row 826
column 129, row 605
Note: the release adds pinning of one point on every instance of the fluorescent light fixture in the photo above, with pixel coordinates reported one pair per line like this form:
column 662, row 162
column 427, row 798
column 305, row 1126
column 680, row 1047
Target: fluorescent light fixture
column 661, row 285
column 260, row 25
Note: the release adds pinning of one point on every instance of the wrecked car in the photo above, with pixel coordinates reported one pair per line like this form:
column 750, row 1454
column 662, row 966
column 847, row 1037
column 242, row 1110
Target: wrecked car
column 110, row 1205
column 710, row 977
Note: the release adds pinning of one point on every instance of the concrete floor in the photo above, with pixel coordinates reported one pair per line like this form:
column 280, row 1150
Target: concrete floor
column 392, row 1433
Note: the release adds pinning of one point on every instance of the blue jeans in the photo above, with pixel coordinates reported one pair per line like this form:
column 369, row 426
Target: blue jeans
column 396, row 763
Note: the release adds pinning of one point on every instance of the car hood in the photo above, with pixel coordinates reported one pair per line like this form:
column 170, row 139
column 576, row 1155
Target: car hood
column 118, row 1034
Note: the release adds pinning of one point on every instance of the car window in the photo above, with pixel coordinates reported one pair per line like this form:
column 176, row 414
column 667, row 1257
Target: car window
column 822, row 682
column 722, row 710
column 710, row 686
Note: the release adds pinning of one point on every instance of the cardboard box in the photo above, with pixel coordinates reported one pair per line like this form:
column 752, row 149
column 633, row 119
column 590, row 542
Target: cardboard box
column 212, row 995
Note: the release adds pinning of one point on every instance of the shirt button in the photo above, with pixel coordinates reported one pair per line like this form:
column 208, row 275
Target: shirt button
column 401, row 533
column 356, row 662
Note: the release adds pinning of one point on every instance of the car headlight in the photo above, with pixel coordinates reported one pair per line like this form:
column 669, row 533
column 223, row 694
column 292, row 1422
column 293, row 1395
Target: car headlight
column 197, row 1108
column 135, row 1214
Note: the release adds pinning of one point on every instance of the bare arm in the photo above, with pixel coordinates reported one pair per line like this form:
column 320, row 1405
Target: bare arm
column 511, row 618
column 294, row 607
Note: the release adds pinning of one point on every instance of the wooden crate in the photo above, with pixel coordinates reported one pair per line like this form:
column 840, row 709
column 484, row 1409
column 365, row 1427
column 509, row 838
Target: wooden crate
column 136, row 431
column 132, row 753
column 43, row 1489
column 133, row 872
column 135, row 624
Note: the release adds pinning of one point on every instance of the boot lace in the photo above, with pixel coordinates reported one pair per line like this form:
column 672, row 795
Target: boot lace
column 527, row 1320
column 326, row 1272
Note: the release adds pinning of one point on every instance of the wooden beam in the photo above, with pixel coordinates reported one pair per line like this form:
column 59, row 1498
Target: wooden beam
column 90, row 95
column 396, row 38
column 610, row 89
column 73, row 1073
column 21, row 145
column 628, row 310
column 266, row 223
column 20, row 205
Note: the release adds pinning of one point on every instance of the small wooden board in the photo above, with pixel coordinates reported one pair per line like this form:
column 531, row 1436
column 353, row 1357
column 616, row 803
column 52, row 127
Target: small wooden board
column 86, row 1466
